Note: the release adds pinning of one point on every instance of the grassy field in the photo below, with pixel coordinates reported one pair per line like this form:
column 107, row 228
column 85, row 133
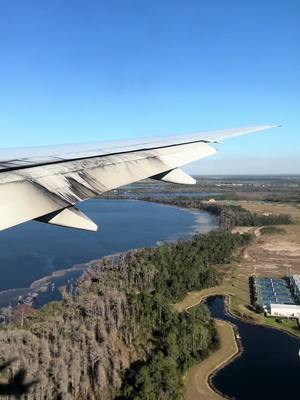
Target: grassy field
column 194, row 298
column 271, row 255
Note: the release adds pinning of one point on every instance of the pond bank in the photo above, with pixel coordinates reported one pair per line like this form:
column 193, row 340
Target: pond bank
column 266, row 355
column 198, row 382
column 199, row 377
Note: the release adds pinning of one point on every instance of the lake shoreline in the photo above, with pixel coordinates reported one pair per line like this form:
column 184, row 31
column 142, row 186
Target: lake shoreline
column 43, row 284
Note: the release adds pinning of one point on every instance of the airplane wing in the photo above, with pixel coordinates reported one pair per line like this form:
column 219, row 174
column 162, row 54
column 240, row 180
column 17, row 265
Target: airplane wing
column 45, row 183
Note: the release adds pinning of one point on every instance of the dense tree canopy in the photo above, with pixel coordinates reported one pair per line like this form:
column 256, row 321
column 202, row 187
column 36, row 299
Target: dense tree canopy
column 175, row 341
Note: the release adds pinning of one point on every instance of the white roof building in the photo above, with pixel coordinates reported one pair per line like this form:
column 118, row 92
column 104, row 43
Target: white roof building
column 285, row 310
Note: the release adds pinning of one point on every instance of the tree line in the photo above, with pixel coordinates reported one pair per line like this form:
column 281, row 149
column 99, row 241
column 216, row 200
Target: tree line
column 228, row 215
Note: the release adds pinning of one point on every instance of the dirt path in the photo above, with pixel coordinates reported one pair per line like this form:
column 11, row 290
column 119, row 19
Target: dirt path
column 195, row 298
column 197, row 386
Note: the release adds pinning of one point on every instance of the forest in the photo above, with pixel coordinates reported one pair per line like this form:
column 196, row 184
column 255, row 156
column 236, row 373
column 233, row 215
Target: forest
column 118, row 336
column 178, row 340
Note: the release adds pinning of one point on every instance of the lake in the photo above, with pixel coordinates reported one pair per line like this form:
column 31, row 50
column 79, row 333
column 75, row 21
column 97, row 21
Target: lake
column 269, row 366
column 34, row 250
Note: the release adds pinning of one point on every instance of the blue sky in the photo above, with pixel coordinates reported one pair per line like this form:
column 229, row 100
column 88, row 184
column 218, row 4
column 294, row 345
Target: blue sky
column 76, row 71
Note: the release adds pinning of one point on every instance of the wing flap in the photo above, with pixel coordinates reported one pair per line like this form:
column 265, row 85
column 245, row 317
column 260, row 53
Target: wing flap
column 175, row 176
column 69, row 218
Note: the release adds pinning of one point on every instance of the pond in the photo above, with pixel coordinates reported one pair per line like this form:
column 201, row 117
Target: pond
column 269, row 366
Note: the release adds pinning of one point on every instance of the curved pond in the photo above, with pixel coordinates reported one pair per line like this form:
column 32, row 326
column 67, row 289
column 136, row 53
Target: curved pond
column 269, row 366
column 33, row 250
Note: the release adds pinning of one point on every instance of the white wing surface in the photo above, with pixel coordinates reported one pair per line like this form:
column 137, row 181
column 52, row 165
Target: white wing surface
column 45, row 183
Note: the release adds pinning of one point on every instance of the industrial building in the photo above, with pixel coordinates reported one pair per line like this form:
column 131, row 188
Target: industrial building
column 285, row 310
column 278, row 297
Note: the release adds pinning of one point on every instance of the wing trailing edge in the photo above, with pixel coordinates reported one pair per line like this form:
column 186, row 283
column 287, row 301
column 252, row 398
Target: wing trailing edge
column 44, row 184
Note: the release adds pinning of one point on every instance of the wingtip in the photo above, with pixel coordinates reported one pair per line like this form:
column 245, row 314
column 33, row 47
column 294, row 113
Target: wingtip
column 269, row 126
column 274, row 126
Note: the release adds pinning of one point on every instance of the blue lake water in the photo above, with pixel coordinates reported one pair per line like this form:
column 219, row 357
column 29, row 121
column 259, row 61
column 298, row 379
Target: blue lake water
column 268, row 368
column 33, row 250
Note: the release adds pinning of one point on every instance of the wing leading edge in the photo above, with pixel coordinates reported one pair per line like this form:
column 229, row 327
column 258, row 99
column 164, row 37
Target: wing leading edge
column 41, row 183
